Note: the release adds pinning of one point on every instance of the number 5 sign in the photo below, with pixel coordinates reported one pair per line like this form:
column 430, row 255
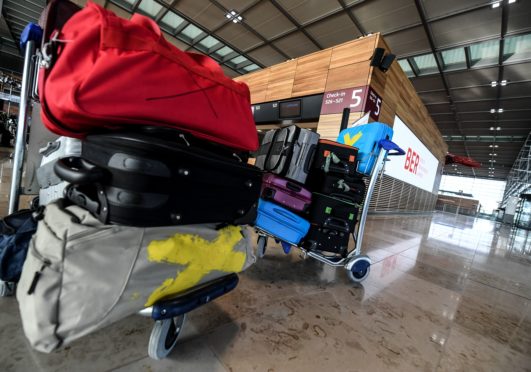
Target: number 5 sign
column 359, row 99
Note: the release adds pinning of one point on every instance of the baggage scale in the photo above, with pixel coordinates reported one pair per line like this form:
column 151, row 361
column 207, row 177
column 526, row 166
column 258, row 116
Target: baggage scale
column 356, row 264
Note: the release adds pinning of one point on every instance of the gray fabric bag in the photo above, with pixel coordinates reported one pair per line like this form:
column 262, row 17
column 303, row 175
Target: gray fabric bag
column 288, row 152
column 81, row 275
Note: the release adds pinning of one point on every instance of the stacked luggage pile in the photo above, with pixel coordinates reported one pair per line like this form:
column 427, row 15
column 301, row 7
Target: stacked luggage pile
column 312, row 191
column 315, row 194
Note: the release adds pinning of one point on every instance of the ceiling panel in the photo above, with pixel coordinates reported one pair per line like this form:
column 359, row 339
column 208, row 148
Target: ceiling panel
column 482, row 106
column 438, row 8
column 427, row 83
column 517, row 104
column 517, row 72
column 443, row 117
column 203, row 12
column 238, row 36
column 472, row 77
column 267, row 20
column 519, row 15
column 408, row 42
column 443, row 108
column 516, row 90
column 229, row 72
column 385, row 16
column 485, row 116
column 434, row 97
column 296, row 45
column 267, row 56
column 237, row 5
column 305, row 11
column 333, row 31
column 474, row 93
column 477, row 25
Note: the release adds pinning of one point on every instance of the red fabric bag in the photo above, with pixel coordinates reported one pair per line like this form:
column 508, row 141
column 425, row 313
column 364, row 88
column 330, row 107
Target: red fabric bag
column 111, row 73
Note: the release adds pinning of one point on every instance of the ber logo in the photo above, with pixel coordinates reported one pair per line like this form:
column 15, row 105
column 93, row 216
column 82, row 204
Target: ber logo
column 412, row 161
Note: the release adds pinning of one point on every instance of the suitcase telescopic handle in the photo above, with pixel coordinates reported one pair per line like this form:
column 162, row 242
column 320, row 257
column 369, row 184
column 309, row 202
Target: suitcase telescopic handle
column 336, row 224
column 78, row 171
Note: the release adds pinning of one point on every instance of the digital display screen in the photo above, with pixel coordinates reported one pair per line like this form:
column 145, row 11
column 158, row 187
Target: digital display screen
column 289, row 109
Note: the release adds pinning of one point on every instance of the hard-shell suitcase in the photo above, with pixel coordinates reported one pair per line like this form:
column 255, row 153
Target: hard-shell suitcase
column 135, row 179
column 288, row 152
column 349, row 188
column 366, row 138
column 281, row 223
column 81, row 275
column 332, row 236
column 324, row 207
column 334, row 157
column 51, row 186
column 286, row 193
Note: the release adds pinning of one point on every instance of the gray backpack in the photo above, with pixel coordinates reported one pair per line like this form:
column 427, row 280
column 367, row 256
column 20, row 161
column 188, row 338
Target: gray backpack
column 81, row 275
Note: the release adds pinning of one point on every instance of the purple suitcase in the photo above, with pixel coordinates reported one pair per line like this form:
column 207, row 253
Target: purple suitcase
column 286, row 193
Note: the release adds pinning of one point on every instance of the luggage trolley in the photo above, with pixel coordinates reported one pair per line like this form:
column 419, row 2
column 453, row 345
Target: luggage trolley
column 356, row 264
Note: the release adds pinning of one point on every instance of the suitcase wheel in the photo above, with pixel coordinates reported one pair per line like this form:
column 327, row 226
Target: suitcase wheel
column 358, row 268
column 164, row 336
column 261, row 246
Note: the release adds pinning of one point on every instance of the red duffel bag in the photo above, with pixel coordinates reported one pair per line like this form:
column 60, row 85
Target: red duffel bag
column 110, row 73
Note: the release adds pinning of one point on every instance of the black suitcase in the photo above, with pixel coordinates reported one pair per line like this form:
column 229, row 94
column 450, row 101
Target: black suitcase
column 143, row 179
column 351, row 189
column 332, row 236
column 337, row 158
column 325, row 207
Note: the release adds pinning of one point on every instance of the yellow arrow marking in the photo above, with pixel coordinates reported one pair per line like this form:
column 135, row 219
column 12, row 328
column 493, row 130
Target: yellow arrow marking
column 351, row 141
column 200, row 256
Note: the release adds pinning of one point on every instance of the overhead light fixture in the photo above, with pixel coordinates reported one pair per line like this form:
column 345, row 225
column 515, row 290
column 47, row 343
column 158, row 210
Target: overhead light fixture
column 492, row 111
column 493, row 154
column 500, row 110
column 491, row 168
column 234, row 16
column 495, row 146
column 503, row 83
column 492, row 161
column 493, row 83
column 512, row 1
column 495, row 128
column 496, row 4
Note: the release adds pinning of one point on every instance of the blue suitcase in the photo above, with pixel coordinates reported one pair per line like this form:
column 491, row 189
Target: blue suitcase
column 366, row 138
column 281, row 223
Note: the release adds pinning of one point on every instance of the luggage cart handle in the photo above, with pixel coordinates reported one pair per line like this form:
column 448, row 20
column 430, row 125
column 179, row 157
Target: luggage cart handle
column 389, row 145
column 78, row 171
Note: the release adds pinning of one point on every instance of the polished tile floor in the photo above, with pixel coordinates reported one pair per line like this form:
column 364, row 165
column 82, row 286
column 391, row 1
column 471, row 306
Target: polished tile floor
column 445, row 293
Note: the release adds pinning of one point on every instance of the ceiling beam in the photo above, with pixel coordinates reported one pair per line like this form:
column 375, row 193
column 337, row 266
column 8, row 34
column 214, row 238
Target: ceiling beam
column 296, row 23
column 429, row 35
column 354, row 20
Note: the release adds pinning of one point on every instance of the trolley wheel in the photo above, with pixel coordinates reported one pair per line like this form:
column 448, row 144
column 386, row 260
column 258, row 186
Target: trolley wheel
column 164, row 336
column 358, row 268
column 261, row 246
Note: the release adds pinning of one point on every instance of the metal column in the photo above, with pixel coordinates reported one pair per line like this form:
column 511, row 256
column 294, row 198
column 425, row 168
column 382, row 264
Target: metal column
column 22, row 127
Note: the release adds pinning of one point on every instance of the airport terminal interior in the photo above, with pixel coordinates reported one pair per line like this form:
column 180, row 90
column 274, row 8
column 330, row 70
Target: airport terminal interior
column 286, row 185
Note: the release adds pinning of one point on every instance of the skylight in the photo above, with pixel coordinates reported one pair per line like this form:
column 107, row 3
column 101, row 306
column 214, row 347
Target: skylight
column 149, row 7
column 485, row 53
column 208, row 43
column 225, row 51
column 171, row 21
column 191, row 32
column 251, row 68
column 517, row 48
column 406, row 67
column 454, row 59
column 425, row 64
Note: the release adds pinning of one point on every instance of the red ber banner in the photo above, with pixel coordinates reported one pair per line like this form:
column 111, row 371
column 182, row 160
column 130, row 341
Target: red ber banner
column 362, row 98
